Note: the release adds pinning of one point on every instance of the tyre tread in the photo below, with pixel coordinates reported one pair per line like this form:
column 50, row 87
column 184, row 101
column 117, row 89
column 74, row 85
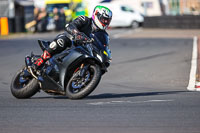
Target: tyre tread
column 28, row 91
column 89, row 88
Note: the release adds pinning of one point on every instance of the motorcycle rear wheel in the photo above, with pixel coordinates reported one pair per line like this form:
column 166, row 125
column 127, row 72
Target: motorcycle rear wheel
column 84, row 86
column 26, row 90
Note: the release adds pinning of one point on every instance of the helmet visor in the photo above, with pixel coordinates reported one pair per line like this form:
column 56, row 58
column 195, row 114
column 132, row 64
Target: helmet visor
column 104, row 20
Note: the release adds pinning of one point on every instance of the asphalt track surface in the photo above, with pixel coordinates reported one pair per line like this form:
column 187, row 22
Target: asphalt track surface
column 145, row 91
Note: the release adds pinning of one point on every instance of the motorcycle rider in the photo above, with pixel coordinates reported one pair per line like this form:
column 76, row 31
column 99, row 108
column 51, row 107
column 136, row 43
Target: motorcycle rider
column 77, row 31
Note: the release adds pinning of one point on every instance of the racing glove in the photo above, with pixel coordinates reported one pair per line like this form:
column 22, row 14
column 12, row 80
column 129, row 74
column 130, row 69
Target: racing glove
column 80, row 38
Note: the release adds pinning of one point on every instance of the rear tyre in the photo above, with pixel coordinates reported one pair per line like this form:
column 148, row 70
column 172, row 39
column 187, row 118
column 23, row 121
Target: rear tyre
column 80, row 87
column 23, row 90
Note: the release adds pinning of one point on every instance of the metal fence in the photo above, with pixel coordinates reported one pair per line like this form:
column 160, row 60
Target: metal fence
column 174, row 22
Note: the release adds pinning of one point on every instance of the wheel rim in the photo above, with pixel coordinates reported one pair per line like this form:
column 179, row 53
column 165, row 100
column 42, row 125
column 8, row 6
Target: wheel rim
column 18, row 81
column 78, row 83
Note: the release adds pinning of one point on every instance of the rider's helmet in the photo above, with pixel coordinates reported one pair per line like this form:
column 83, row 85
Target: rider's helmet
column 101, row 17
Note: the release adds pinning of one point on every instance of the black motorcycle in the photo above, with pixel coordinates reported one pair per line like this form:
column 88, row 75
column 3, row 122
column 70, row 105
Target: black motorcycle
column 74, row 73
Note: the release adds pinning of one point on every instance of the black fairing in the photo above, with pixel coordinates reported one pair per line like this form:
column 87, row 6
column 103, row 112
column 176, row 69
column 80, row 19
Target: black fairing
column 44, row 44
column 103, row 37
column 102, row 42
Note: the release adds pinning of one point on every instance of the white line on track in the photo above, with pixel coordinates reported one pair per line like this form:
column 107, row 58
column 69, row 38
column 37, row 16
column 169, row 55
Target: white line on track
column 192, row 80
column 130, row 102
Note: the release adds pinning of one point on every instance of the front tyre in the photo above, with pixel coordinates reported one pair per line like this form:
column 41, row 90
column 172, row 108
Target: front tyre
column 26, row 89
column 80, row 87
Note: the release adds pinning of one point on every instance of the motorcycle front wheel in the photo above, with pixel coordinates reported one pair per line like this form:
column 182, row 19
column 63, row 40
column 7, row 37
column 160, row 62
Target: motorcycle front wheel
column 25, row 89
column 79, row 87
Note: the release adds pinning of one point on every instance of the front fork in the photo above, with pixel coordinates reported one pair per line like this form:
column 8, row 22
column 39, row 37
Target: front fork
column 83, row 70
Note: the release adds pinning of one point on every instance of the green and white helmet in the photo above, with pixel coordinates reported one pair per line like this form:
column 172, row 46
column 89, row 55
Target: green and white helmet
column 102, row 17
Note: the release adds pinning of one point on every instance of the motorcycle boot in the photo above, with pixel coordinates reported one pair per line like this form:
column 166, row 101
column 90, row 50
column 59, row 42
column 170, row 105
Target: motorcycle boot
column 39, row 63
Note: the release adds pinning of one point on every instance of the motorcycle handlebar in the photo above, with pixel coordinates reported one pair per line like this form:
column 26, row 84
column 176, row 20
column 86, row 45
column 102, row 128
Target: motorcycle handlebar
column 91, row 40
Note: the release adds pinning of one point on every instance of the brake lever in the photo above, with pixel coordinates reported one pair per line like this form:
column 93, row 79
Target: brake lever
column 92, row 40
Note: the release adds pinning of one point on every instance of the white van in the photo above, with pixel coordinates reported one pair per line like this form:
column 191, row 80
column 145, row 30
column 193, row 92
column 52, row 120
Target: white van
column 124, row 16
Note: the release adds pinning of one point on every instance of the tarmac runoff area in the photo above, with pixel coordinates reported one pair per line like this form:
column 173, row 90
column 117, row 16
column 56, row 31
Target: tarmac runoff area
column 194, row 81
column 155, row 33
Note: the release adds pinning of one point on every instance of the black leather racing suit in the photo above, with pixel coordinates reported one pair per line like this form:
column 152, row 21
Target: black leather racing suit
column 81, row 24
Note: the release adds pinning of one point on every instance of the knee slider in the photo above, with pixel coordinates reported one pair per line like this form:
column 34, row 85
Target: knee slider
column 53, row 45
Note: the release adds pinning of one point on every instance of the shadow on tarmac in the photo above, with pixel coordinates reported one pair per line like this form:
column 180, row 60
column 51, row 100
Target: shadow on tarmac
column 126, row 95
column 111, row 95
